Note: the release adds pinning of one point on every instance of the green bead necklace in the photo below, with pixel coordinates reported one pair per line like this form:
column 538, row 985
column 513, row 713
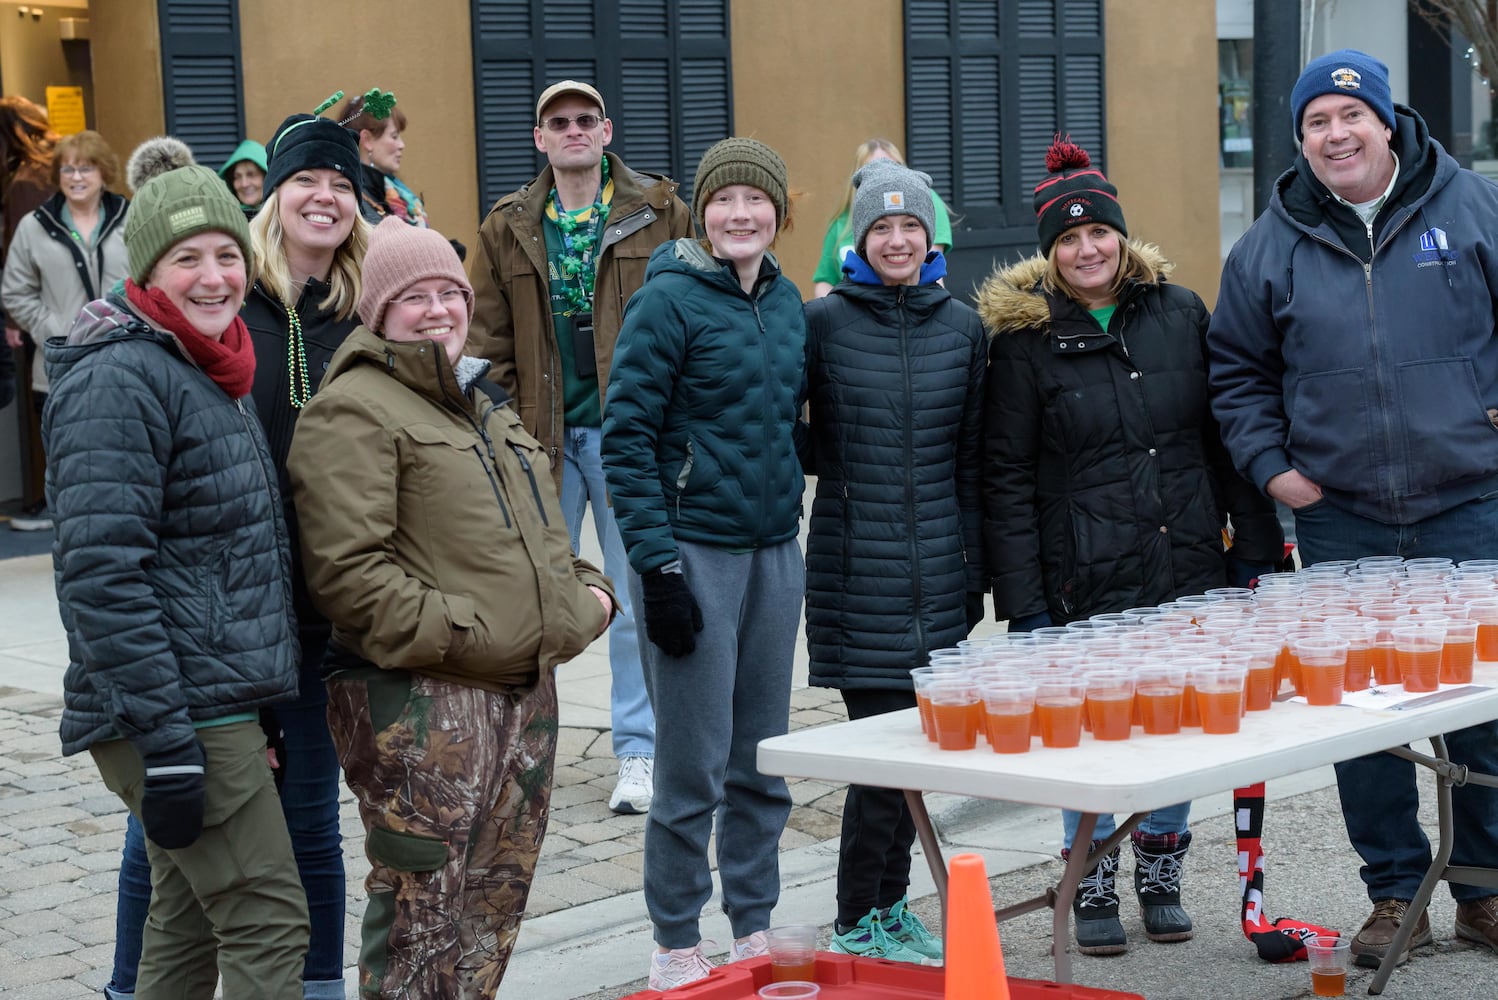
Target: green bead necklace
column 296, row 361
column 579, row 239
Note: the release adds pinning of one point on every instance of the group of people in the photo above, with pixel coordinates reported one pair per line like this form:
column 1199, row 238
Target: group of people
column 319, row 494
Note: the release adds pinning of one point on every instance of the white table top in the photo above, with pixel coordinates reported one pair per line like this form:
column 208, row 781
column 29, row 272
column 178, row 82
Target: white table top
column 1142, row 773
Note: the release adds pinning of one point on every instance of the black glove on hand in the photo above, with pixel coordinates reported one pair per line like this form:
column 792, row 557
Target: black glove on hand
column 974, row 603
column 275, row 740
column 172, row 808
column 672, row 617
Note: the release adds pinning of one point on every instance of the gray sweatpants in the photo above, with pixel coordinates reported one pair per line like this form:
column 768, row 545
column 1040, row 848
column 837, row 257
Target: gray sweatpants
column 711, row 710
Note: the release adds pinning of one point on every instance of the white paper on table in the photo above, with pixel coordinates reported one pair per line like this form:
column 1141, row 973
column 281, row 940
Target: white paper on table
column 1394, row 698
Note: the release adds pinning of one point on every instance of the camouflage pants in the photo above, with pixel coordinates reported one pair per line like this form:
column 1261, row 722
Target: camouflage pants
column 454, row 787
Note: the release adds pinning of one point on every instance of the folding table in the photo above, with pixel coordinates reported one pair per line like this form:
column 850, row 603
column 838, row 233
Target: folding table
column 1145, row 773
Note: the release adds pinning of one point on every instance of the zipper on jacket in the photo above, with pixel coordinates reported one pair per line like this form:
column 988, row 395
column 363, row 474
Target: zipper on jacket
column 535, row 490
column 483, row 433
column 488, row 471
column 918, row 615
column 767, row 417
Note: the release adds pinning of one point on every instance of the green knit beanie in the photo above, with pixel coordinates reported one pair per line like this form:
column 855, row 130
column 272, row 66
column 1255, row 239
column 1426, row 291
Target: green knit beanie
column 738, row 160
column 175, row 199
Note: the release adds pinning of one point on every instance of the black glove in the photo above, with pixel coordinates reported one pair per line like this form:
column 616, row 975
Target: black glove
column 172, row 808
column 974, row 604
column 1244, row 572
column 1029, row 623
column 672, row 617
column 275, row 739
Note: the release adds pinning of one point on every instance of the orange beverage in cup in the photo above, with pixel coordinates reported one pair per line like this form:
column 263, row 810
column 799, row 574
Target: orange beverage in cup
column 1359, row 669
column 956, row 728
column 1487, row 643
column 1191, row 714
column 1009, row 732
column 1419, row 670
column 1112, row 717
column 1456, row 661
column 1219, row 710
column 928, row 723
column 1385, row 664
column 1322, row 683
column 1160, row 709
column 978, row 723
column 1329, row 982
column 1060, row 720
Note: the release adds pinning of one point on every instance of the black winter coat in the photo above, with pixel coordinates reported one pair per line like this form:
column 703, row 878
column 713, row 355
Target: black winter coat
column 895, row 383
column 1105, row 482
column 173, row 573
column 270, row 331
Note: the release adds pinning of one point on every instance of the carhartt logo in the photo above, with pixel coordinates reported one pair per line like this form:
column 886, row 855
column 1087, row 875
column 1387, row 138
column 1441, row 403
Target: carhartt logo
column 187, row 218
column 894, row 200
column 1347, row 78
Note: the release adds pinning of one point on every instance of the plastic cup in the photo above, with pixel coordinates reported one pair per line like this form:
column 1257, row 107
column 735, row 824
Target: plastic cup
column 1328, row 958
column 923, row 678
column 1417, row 650
column 1158, row 690
column 1219, row 697
column 1058, row 707
column 1259, row 687
column 957, row 711
column 1110, row 703
column 790, row 991
column 1485, row 613
column 1361, row 635
column 1459, row 651
column 793, row 954
column 1323, row 667
column 1009, row 712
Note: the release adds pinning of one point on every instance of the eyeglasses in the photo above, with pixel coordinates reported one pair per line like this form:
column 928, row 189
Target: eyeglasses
column 560, row 123
column 77, row 169
column 445, row 298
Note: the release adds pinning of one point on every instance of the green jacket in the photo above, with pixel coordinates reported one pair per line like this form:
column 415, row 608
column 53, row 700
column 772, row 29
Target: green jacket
column 432, row 537
column 703, row 398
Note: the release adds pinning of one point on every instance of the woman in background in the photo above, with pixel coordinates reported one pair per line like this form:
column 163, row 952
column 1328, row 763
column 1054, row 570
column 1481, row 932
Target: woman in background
column 839, row 238
column 244, row 172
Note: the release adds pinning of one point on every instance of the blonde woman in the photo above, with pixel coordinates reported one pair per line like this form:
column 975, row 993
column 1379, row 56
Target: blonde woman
column 839, row 238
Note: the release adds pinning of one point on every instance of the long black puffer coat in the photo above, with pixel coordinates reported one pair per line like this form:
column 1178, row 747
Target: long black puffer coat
column 1105, row 481
column 173, row 573
column 895, row 383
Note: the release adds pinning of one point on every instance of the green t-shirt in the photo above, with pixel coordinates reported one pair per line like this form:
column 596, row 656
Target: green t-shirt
column 580, row 406
column 1104, row 316
column 839, row 240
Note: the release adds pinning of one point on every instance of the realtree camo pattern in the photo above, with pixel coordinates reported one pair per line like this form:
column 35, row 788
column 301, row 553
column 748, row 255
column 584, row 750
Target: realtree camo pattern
column 469, row 767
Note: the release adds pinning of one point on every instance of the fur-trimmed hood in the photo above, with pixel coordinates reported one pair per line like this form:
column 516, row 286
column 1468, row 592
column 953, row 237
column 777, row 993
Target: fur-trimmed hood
column 1013, row 300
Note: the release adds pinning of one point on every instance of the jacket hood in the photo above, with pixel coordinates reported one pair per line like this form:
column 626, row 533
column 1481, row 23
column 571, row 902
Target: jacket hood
column 687, row 255
column 102, row 322
column 416, row 365
column 250, row 150
column 1013, row 299
column 861, row 272
column 1423, row 164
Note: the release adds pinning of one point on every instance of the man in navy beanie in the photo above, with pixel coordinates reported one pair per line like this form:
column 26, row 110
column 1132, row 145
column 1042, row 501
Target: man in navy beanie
column 1354, row 370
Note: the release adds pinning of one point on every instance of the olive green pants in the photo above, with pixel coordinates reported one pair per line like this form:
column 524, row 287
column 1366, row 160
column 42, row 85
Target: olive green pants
column 230, row 904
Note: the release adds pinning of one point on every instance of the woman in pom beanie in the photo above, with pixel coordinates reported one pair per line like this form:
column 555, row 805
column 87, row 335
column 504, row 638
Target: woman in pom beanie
column 905, row 467
column 1106, row 485
column 435, row 544
column 174, row 584
column 702, row 470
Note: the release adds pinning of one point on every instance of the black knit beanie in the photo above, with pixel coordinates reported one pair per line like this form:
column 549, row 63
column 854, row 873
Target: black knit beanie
column 1074, row 193
column 737, row 160
column 307, row 142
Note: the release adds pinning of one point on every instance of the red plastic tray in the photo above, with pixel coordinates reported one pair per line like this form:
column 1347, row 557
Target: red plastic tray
column 844, row 977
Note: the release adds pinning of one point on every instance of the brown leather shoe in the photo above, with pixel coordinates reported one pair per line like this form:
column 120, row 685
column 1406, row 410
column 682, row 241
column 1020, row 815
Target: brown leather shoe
column 1478, row 921
column 1372, row 942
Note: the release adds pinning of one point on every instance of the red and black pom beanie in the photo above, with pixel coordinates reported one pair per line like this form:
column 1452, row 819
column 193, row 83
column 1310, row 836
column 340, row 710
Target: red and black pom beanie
column 1074, row 193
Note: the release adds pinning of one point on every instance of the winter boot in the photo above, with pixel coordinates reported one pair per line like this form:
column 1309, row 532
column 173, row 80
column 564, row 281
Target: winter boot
column 1095, row 908
column 1157, row 883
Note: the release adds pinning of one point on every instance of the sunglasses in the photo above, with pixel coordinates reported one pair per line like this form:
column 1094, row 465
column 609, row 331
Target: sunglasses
column 560, row 123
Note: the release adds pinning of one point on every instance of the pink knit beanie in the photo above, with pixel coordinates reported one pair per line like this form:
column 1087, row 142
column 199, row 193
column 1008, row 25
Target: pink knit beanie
column 399, row 256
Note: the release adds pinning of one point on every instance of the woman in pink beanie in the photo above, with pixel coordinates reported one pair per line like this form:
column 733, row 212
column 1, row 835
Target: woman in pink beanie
column 434, row 542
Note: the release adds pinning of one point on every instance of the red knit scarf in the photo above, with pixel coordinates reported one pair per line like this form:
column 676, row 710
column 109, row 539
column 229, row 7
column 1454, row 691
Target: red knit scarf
column 229, row 361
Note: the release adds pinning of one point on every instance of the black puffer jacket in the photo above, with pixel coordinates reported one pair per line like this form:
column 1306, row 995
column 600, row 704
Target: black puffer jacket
column 173, row 573
column 270, row 332
column 1106, row 482
column 895, row 382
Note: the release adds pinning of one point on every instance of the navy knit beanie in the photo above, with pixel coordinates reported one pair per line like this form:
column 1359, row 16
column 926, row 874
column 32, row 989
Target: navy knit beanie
column 307, row 142
column 1345, row 71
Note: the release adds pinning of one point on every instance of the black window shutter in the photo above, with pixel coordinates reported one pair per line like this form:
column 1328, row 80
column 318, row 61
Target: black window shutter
column 201, row 80
column 662, row 66
column 988, row 83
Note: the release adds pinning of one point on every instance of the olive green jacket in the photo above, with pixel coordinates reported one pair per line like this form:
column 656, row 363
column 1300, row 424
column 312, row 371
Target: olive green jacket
column 432, row 537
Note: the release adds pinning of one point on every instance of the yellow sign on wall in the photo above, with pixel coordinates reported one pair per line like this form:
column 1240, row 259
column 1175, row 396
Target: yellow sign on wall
column 65, row 110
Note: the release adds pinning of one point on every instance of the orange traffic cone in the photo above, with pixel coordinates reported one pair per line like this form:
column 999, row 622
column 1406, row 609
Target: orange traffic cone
column 974, row 963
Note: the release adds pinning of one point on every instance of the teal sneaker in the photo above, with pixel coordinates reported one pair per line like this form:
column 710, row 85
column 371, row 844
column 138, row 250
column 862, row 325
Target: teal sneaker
column 904, row 927
column 868, row 939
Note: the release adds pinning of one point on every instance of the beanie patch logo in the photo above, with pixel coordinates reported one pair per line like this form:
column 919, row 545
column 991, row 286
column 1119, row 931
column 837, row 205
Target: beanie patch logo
column 184, row 219
column 1076, row 210
column 894, row 200
column 1347, row 78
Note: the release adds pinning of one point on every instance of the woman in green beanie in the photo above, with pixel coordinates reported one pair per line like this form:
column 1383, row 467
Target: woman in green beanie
column 244, row 172
column 174, row 585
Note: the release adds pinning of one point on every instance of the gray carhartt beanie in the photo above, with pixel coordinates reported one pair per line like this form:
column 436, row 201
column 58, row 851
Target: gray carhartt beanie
column 884, row 187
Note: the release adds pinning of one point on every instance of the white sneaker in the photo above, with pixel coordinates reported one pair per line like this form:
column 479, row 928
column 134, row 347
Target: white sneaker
column 753, row 946
column 635, row 787
column 678, row 966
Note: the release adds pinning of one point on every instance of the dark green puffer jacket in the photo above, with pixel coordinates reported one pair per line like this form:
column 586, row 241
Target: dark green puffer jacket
column 702, row 401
